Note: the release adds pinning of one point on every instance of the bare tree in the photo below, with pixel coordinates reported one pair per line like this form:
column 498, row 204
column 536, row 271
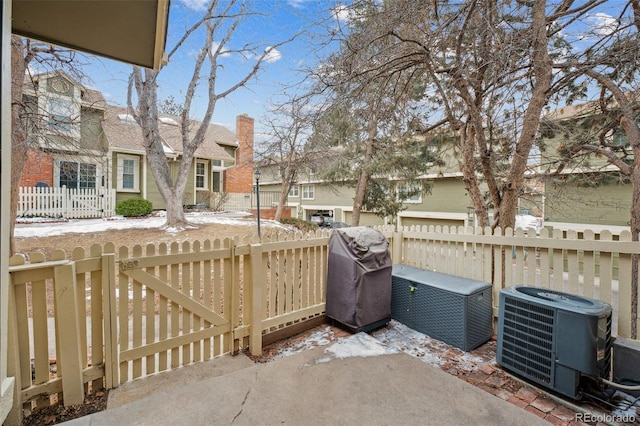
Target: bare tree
column 219, row 22
column 41, row 56
column 486, row 65
column 608, row 128
column 288, row 126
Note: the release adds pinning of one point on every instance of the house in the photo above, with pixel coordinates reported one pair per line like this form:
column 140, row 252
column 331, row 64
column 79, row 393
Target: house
column 587, row 192
column 106, row 31
column 64, row 124
column 131, row 176
column 80, row 142
column 446, row 204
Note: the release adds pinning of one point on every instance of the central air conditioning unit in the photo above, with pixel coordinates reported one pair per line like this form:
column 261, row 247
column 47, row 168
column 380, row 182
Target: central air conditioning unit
column 555, row 339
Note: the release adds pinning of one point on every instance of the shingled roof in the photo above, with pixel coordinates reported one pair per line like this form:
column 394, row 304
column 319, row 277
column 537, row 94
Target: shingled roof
column 123, row 132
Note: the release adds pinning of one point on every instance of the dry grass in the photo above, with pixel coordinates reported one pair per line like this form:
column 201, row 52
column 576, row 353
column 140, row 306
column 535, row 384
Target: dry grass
column 130, row 238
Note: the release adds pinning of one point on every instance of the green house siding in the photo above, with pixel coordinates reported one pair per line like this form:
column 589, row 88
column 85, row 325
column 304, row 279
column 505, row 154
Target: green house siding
column 91, row 132
column 153, row 193
column 335, row 196
column 366, row 219
column 607, row 204
column 447, row 195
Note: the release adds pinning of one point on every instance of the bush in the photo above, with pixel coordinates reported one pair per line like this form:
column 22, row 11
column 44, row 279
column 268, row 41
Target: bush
column 302, row 225
column 134, row 207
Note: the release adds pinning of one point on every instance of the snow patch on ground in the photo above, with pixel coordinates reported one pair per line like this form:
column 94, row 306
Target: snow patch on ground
column 39, row 227
column 423, row 347
column 359, row 345
column 319, row 338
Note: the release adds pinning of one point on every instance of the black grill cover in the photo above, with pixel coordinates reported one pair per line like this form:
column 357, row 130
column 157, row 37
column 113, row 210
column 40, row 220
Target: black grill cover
column 359, row 278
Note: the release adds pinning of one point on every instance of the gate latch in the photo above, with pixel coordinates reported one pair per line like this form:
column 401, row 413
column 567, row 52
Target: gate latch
column 128, row 263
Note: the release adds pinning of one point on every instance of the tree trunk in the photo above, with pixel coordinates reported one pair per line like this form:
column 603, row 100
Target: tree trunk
column 542, row 70
column 467, row 143
column 19, row 148
column 172, row 192
column 284, row 194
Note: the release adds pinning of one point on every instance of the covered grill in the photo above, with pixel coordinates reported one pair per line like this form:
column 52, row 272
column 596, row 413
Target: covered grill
column 359, row 278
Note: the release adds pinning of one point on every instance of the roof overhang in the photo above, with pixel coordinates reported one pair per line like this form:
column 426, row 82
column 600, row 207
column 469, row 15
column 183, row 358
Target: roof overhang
column 130, row 31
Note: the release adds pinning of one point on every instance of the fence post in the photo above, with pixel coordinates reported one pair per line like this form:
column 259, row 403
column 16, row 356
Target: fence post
column 111, row 356
column 69, row 332
column 253, row 299
column 397, row 246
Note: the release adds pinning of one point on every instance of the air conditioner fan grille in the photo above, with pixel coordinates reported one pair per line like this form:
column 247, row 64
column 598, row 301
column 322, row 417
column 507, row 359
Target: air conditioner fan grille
column 527, row 339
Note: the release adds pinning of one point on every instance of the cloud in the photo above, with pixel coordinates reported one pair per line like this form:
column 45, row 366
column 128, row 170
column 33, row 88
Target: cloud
column 602, row 24
column 224, row 53
column 298, row 4
column 195, row 4
column 342, row 13
column 273, row 55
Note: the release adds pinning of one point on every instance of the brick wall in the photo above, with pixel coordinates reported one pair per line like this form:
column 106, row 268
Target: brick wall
column 239, row 179
column 270, row 213
column 39, row 168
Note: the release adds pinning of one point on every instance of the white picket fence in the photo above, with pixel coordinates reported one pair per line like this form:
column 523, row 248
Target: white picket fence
column 248, row 201
column 66, row 202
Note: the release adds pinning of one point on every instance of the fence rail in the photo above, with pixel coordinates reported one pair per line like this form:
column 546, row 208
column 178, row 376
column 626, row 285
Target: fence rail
column 109, row 316
column 66, row 202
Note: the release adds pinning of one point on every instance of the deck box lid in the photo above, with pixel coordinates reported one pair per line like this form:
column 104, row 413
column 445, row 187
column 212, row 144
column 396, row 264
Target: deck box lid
column 452, row 283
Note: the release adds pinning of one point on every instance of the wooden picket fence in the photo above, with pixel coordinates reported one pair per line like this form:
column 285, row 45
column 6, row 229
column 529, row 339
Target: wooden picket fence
column 66, row 202
column 113, row 315
column 110, row 316
column 593, row 265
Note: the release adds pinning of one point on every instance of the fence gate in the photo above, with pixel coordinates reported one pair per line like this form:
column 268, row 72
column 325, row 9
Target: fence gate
column 174, row 306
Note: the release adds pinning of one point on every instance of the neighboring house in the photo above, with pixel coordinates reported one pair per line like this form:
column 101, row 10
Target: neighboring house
column 131, row 175
column 445, row 204
column 587, row 193
column 81, row 142
column 64, row 129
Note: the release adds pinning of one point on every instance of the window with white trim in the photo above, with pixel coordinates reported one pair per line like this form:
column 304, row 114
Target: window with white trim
column 73, row 174
column 410, row 193
column 128, row 173
column 201, row 175
column 308, row 192
column 60, row 114
column 294, row 191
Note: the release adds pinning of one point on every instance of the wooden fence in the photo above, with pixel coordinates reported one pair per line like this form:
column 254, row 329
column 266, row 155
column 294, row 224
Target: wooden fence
column 109, row 316
column 66, row 202
column 595, row 266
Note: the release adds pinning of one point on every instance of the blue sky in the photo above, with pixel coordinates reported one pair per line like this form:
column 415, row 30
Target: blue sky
column 274, row 22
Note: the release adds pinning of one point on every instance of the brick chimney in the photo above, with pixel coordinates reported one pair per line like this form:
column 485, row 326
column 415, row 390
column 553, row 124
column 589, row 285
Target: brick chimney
column 239, row 179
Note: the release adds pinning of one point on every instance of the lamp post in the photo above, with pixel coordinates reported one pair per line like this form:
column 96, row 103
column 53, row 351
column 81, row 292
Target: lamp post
column 257, row 175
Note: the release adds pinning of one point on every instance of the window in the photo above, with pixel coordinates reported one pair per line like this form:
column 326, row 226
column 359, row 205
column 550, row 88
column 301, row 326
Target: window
column 77, row 175
column 308, row 192
column 410, row 193
column 128, row 175
column 201, row 175
column 60, row 115
column 313, row 170
column 294, row 191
